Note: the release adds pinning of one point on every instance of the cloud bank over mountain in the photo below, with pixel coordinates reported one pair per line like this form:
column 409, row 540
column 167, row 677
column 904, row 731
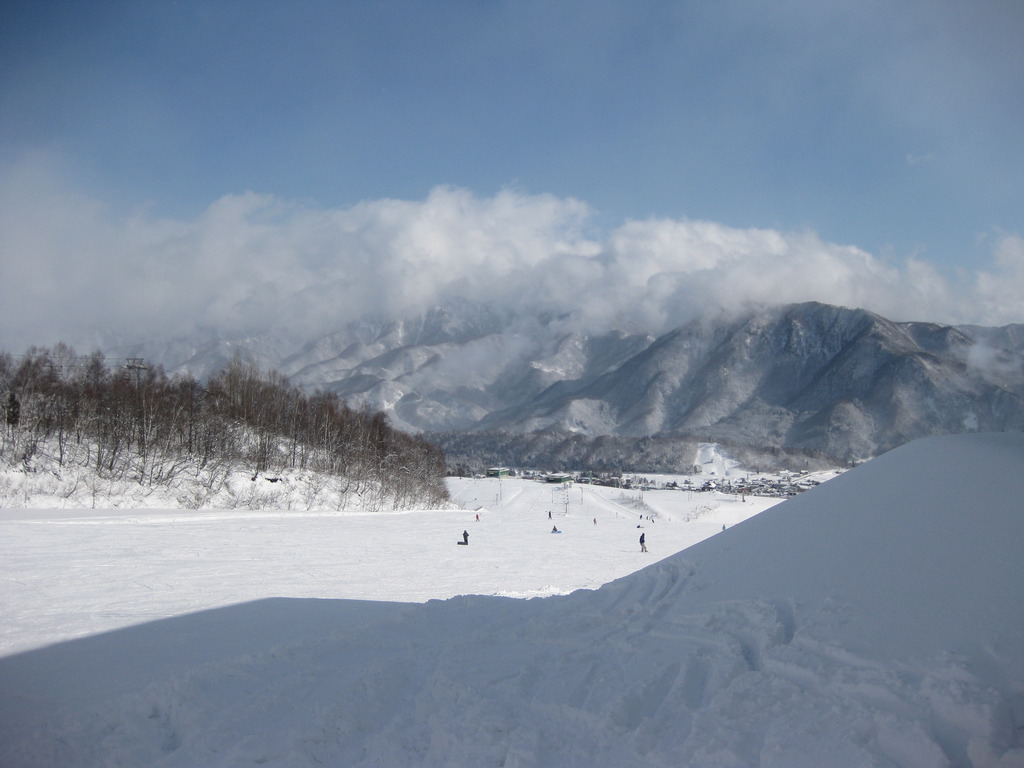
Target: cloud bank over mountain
column 72, row 268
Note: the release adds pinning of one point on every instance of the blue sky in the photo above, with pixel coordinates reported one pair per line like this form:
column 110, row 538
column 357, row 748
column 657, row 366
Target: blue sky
column 894, row 127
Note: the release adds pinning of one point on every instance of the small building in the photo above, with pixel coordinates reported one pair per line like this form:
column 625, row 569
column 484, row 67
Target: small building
column 497, row 472
column 558, row 477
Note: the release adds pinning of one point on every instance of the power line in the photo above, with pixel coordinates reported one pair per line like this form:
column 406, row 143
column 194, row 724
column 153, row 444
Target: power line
column 65, row 365
column 84, row 361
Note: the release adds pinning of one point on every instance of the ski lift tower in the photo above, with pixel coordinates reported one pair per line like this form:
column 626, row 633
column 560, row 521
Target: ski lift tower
column 137, row 365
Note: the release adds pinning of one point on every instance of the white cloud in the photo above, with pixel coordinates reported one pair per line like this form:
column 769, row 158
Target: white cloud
column 1000, row 292
column 913, row 159
column 70, row 267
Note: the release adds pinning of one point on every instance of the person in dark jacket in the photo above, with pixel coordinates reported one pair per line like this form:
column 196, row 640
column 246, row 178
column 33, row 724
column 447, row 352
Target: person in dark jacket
column 465, row 537
column 643, row 540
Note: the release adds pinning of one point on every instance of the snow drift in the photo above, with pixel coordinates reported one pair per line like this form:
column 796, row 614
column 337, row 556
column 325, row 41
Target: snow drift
column 877, row 620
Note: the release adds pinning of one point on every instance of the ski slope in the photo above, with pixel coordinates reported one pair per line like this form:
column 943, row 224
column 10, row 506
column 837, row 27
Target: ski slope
column 118, row 568
column 877, row 620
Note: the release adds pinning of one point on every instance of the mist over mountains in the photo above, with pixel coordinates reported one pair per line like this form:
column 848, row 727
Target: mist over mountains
column 75, row 269
column 809, row 378
column 522, row 312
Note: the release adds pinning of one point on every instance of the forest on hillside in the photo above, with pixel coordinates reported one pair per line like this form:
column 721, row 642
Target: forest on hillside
column 126, row 420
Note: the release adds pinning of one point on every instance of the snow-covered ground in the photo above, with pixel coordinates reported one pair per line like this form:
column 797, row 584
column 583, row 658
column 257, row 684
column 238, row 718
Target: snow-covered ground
column 74, row 572
column 877, row 620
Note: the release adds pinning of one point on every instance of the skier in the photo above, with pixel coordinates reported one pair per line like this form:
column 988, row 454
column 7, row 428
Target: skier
column 549, row 514
column 465, row 538
column 643, row 540
column 554, row 529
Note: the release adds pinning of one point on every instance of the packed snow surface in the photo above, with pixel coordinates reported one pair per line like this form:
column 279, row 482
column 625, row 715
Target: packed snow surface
column 876, row 620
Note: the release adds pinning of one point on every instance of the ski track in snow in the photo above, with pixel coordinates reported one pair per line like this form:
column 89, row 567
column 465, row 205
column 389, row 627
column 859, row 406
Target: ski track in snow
column 765, row 646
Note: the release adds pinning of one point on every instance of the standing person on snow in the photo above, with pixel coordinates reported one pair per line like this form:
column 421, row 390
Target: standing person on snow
column 465, row 537
column 643, row 540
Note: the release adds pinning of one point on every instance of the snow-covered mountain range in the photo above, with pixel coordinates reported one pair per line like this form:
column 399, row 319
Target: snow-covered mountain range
column 844, row 383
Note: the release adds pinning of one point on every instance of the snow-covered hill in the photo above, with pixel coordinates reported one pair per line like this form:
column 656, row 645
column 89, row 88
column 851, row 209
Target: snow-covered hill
column 875, row 620
column 845, row 384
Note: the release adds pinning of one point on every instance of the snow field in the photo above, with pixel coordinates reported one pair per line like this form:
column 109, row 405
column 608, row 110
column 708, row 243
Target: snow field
column 877, row 620
column 70, row 573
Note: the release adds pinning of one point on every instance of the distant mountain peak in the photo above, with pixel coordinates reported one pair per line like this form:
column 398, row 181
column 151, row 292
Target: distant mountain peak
column 845, row 383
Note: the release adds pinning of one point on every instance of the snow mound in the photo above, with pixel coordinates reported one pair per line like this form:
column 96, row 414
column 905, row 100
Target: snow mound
column 877, row 620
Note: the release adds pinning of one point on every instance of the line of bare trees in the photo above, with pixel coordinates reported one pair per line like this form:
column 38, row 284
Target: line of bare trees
column 133, row 421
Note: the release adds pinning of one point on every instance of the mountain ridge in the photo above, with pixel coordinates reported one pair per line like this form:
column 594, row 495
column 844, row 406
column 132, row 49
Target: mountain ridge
column 844, row 383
